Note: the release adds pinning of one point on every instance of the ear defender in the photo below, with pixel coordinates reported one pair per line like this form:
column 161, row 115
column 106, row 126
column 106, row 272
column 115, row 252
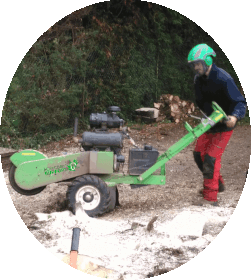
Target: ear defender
column 208, row 60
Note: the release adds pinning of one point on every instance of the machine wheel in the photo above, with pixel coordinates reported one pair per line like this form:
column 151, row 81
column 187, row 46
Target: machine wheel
column 92, row 194
column 17, row 188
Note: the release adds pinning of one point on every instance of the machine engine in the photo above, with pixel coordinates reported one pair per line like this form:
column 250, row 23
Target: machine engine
column 104, row 120
column 100, row 139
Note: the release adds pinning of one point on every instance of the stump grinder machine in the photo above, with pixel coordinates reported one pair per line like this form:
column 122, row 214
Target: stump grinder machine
column 92, row 174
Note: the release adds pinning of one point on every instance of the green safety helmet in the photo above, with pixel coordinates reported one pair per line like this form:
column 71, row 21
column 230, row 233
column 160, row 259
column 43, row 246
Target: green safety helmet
column 201, row 53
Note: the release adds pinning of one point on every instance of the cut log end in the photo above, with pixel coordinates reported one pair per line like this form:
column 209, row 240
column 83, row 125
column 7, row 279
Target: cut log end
column 172, row 107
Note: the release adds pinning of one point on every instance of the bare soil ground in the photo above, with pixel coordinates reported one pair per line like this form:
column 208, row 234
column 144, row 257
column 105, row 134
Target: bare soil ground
column 183, row 179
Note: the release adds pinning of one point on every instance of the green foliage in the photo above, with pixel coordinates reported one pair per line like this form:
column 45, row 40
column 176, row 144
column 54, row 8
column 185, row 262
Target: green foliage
column 245, row 120
column 113, row 53
column 33, row 142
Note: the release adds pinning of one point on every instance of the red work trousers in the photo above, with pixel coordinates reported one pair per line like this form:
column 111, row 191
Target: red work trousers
column 210, row 147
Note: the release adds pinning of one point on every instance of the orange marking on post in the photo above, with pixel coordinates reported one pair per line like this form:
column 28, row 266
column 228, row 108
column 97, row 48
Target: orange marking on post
column 73, row 259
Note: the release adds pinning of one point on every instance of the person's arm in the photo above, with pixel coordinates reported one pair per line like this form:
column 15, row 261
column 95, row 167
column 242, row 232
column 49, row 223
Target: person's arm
column 237, row 101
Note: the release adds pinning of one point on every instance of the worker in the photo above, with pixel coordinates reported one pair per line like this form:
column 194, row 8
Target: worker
column 212, row 83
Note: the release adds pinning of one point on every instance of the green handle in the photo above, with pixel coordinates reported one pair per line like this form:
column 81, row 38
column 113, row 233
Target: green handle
column 217, row 107
column 188, row 127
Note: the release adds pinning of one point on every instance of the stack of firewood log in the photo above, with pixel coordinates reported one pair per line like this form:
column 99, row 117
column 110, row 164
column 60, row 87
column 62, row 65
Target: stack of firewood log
column 173, row 108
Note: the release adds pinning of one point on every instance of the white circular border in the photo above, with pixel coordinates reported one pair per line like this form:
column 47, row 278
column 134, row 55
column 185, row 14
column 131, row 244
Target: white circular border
column 22, row 23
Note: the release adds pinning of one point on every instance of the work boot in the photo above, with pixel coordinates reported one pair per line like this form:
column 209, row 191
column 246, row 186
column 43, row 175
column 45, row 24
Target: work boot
column 220, row 190
column 204, row 202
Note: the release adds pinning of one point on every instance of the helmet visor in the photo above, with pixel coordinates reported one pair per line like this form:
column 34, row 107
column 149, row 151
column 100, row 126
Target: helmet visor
column 198, row 66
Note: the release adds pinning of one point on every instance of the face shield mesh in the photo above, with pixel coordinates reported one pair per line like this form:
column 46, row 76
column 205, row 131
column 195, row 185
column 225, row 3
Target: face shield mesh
column 193, row 65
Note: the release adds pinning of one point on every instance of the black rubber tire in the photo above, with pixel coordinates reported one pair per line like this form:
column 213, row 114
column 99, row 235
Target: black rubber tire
column 117, row 197
column 107, row 195
column 112, row 203
column 17, row 188
column 115, row 194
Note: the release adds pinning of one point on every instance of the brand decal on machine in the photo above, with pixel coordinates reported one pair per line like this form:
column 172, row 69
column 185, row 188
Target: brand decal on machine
column 61, row 168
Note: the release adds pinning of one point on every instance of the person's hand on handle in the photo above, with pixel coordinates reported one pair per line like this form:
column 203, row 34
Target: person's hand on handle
column 231, row 121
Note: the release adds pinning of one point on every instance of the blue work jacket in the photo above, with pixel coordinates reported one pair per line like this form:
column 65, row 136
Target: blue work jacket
column 220, row 87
